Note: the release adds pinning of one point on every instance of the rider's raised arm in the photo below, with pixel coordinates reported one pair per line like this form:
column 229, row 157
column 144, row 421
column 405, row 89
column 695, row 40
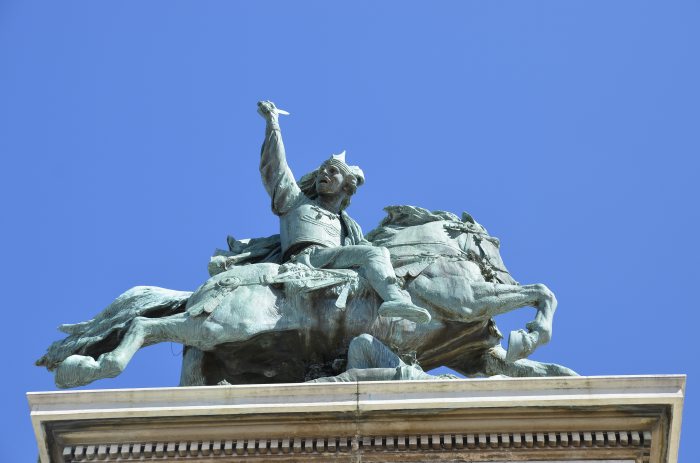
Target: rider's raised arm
column 276, row 174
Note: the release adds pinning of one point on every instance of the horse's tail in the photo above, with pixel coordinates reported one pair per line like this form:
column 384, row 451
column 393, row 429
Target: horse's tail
column 103, row 333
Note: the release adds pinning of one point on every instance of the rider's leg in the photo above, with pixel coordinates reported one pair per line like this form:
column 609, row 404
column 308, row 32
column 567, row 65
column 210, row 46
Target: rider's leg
column 375, row 264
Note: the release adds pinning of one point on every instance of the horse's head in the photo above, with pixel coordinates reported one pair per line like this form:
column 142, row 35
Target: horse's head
column 414, row 235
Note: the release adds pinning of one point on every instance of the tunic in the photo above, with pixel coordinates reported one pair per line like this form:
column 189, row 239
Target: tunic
column 303, row 221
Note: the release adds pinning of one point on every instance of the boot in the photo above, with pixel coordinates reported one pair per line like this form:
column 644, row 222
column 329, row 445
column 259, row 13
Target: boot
column 407, row 310
column 399, row 305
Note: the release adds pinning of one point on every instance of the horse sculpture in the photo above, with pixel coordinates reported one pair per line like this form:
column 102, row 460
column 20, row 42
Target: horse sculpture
column 258, row 321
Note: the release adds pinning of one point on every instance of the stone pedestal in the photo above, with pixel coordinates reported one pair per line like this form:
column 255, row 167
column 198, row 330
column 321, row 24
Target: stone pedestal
column 605, row 419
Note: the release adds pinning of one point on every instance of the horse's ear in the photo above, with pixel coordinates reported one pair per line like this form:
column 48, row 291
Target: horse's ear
column 466, row 217
column 231, row 242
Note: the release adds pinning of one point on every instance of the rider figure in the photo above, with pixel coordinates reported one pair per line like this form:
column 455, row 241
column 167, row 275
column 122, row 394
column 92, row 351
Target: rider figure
column 314, row 226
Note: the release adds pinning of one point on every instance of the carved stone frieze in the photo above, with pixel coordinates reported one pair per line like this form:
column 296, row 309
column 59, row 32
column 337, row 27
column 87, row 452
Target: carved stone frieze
column 519, row 446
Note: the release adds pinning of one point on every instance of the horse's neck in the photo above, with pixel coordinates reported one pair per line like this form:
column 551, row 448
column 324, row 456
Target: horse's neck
column 423, row 241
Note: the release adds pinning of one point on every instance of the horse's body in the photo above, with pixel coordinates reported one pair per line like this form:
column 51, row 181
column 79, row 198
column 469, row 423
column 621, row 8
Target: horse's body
column 254, row 309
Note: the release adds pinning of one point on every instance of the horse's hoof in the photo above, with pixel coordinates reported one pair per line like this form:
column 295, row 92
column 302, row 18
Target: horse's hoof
column 544, row 332
column 520, row 345
column 74, row 371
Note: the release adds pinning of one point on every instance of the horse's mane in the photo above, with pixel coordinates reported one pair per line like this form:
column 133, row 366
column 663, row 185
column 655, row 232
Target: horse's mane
column 410, row 216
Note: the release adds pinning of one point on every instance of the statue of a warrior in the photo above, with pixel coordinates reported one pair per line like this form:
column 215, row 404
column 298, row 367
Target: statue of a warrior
column 314, row 227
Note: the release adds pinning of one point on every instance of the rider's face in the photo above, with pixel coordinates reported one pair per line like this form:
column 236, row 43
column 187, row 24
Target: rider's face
column 329, row 180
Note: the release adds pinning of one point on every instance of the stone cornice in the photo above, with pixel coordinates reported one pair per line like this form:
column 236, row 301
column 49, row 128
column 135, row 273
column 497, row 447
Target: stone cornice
column 633, row 416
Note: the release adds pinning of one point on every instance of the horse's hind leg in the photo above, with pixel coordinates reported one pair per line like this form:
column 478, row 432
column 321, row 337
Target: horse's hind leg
column 78, row 370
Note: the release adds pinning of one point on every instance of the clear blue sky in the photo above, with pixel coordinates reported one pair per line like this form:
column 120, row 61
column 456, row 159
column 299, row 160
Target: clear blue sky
column 130, row 144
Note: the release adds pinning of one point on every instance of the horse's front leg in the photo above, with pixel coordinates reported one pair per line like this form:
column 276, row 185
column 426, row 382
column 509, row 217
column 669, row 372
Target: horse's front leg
column 493, row 299
column 522, row 343
column 458, row 299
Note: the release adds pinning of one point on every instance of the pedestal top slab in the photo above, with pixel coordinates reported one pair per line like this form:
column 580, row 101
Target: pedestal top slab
column 635, row 417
